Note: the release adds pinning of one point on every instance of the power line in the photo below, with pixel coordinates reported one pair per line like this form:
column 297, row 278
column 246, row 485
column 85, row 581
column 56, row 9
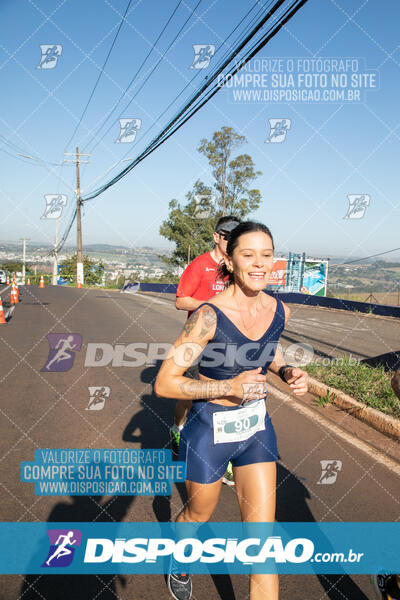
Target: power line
column 135, row 76
column 149, row 75
column 372, row 256
column 181, row 118
column 198, row 71
column 100, row 74
column 185, row 114
column 240, row 37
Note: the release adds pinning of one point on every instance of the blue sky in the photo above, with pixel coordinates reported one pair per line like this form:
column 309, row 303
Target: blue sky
column 332, row 149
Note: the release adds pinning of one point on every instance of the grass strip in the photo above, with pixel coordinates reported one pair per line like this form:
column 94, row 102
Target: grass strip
column 369, row 385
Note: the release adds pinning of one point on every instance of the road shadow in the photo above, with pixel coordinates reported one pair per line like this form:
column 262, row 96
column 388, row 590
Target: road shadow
column 79, row 587
column 292, row 506
column 390, row 360
column 149, row 427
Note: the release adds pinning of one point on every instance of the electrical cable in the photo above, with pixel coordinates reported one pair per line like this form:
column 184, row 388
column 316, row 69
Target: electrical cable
column 372, row 256
column 134, row 77
column 179, row 120
column 149, row 75
column 198, row 71
column 188, row 103
column 184, row 115
column 257, row 3
column 100, row 74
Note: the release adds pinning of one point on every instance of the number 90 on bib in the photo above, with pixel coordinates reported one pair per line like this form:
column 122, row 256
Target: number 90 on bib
column 239, row 425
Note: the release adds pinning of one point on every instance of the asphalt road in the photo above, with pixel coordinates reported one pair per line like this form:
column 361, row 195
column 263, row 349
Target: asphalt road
column 48, row 410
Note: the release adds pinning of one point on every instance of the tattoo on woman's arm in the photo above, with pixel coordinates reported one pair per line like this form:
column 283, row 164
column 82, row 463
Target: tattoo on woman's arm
column 208, row 320
column 190, row 323
column 205, row 389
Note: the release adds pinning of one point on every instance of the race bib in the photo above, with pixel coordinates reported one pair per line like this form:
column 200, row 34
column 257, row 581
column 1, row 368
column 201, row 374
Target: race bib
column 239, row 425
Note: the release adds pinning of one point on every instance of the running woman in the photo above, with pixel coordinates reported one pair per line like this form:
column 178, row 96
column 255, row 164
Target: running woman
column 200, row 282
column 230, row 393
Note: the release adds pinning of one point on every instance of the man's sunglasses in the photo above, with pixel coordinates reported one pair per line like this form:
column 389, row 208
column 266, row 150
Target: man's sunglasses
column 223, row 234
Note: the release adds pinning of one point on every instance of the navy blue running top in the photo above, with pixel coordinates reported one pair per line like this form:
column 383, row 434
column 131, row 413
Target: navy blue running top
column 230, row 352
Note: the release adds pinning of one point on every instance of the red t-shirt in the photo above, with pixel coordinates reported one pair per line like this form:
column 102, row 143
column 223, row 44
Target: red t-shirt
column 199, row 280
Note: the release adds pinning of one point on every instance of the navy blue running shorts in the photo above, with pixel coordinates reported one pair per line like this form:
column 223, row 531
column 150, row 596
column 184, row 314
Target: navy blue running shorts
column 207, row 462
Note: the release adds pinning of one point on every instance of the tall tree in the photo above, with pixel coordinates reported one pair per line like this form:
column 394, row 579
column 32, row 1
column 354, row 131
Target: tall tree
column 190, row 226
column 233, row 176
column 92, row 270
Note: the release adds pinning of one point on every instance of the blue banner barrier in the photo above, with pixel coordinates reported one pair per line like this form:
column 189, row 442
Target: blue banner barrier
column 163, row 288
column 232, row 548
column 297, row 298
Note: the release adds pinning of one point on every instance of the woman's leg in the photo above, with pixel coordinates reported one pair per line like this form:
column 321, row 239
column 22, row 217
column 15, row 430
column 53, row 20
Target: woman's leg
column 256, row 492
column 202, row 500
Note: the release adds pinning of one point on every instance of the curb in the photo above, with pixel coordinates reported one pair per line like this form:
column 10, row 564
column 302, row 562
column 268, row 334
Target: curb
column 384, row 423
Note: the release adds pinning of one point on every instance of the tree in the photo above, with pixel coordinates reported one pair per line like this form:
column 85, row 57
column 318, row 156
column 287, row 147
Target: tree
column 92, row 270
column 12, row 266
column 191, row 227
column 233, row 176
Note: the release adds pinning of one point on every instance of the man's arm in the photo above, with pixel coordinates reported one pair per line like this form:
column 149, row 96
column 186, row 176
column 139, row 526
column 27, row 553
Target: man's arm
column 187, row 286
column 187, row 303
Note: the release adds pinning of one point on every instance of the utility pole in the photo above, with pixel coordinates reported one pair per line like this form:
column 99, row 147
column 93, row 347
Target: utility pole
column 23, row 258
column 55, row 261
column 79, row 256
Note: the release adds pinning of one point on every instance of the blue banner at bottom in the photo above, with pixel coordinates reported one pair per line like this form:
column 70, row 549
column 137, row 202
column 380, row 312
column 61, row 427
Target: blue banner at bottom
column 230, row 548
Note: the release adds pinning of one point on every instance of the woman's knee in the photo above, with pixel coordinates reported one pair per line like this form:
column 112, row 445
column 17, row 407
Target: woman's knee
column 193, row 515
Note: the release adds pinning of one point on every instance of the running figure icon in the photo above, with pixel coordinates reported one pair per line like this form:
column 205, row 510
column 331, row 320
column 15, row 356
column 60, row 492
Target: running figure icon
column 62, row 549
column 63, row 544
column 63, row 346
column 62, row 351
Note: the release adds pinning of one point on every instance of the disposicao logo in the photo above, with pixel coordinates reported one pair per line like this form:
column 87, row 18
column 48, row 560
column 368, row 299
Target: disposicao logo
column 62, row 547
column 62, row 351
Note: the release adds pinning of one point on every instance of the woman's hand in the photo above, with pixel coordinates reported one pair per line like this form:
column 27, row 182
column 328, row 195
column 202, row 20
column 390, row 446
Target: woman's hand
column 297, row 380
column 249, row 385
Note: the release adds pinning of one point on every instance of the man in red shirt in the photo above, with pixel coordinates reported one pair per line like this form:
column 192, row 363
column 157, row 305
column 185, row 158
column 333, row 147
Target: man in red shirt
column 199, row 283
